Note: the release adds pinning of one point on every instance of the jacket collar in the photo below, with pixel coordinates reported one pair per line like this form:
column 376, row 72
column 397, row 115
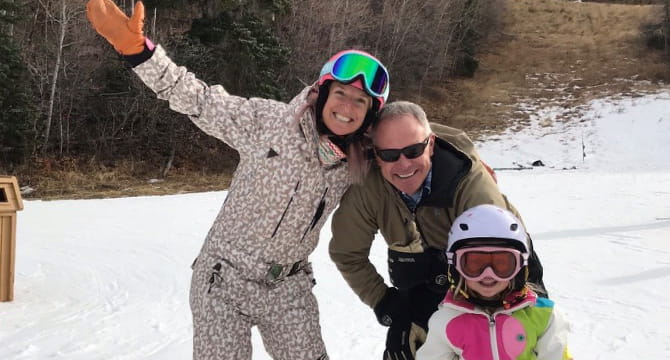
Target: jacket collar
column 302, row 109
column 521, row 301
column 449, row 166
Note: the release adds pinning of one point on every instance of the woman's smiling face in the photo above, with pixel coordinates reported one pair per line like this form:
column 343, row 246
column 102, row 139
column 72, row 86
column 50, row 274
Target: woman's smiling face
column 345, row 108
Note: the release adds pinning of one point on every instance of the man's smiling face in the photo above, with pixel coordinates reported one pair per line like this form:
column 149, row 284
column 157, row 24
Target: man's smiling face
column 397, row 132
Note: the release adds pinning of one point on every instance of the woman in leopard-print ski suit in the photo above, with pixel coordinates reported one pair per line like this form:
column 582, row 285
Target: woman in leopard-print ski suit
column 296, row 161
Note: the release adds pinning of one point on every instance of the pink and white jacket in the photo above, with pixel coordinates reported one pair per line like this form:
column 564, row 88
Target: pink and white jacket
column 531, row 329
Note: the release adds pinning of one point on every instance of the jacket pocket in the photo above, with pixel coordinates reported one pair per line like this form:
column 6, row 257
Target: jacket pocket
column 317, row 215
column 283, row 215
column 226, row 284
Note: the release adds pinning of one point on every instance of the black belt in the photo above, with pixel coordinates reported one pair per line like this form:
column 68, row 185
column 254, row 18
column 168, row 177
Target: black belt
column 278, row 272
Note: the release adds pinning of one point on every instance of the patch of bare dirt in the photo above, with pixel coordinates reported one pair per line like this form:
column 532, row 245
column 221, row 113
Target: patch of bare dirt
column 553, row 53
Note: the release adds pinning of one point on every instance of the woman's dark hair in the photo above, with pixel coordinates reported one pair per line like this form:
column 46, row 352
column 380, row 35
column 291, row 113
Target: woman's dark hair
column 355, row 145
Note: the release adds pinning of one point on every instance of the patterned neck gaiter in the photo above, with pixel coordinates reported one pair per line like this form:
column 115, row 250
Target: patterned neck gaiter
column 329, row 153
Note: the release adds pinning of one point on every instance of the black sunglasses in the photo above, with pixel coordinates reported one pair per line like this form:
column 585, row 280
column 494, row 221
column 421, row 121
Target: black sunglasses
column 411, row 152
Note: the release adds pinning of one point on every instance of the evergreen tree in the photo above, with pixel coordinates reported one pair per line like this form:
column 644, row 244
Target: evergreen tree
column 247, row 54
column 17, row 110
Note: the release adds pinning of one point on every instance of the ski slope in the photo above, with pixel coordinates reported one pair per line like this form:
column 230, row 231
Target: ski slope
column 109, row 279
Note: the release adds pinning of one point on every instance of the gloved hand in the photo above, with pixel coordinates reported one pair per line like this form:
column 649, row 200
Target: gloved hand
column 400, row 342
column 423, row 301
column 393, row 311
column 123, row 33
column 392, row 308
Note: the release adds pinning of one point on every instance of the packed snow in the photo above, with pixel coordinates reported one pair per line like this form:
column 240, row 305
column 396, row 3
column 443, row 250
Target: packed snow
column 109, row 279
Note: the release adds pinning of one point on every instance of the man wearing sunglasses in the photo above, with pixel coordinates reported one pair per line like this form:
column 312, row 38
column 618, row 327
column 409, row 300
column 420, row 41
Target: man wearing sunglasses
column 421, row 182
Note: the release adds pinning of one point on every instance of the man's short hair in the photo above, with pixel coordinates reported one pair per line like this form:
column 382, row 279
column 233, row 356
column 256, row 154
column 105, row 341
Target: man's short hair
column 398, row 108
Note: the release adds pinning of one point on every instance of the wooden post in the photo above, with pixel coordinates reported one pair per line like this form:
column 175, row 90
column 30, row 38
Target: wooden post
column 10, row 203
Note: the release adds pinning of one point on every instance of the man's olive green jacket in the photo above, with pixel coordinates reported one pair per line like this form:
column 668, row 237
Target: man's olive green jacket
column 459, row 181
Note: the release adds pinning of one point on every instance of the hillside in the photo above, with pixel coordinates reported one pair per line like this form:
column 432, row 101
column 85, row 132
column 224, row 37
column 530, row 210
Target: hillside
column 544, row 53
column 553, row 52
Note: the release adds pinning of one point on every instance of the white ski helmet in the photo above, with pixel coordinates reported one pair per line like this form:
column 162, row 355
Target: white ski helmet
column 487, row 225
column 487, row 222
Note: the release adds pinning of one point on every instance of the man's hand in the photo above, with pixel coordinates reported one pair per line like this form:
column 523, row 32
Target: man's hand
column 392, row 308
column 124, row 33
column 403, row 337
column 423, row 302
column 402, row 342
column 398, row 343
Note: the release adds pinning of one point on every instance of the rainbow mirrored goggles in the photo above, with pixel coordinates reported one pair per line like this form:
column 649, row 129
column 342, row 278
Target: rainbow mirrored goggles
column 347, row 66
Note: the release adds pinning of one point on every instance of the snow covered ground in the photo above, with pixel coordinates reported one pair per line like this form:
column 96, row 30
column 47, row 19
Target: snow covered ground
column 109, row 279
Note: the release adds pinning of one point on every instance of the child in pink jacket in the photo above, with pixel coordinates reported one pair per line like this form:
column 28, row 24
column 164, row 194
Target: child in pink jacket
column 491, row 312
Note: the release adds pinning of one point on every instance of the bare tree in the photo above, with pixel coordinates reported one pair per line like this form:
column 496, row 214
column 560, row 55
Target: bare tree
column 316, row 29
column 420, row 41
column 63, row 21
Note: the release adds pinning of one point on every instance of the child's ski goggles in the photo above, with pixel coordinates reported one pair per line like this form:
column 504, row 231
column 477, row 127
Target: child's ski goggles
column 476, row 263
column 349, row 65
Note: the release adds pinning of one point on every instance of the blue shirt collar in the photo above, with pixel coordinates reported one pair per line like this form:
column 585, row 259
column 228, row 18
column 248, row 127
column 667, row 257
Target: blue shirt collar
column 413, row 200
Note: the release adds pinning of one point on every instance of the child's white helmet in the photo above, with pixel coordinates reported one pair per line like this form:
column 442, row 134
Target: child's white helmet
column 487, row 225
column 487, row 222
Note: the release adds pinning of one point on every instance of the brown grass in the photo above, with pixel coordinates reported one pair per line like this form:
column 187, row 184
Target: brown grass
column 548, row 52
column 553, row 52
column 76, row 179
